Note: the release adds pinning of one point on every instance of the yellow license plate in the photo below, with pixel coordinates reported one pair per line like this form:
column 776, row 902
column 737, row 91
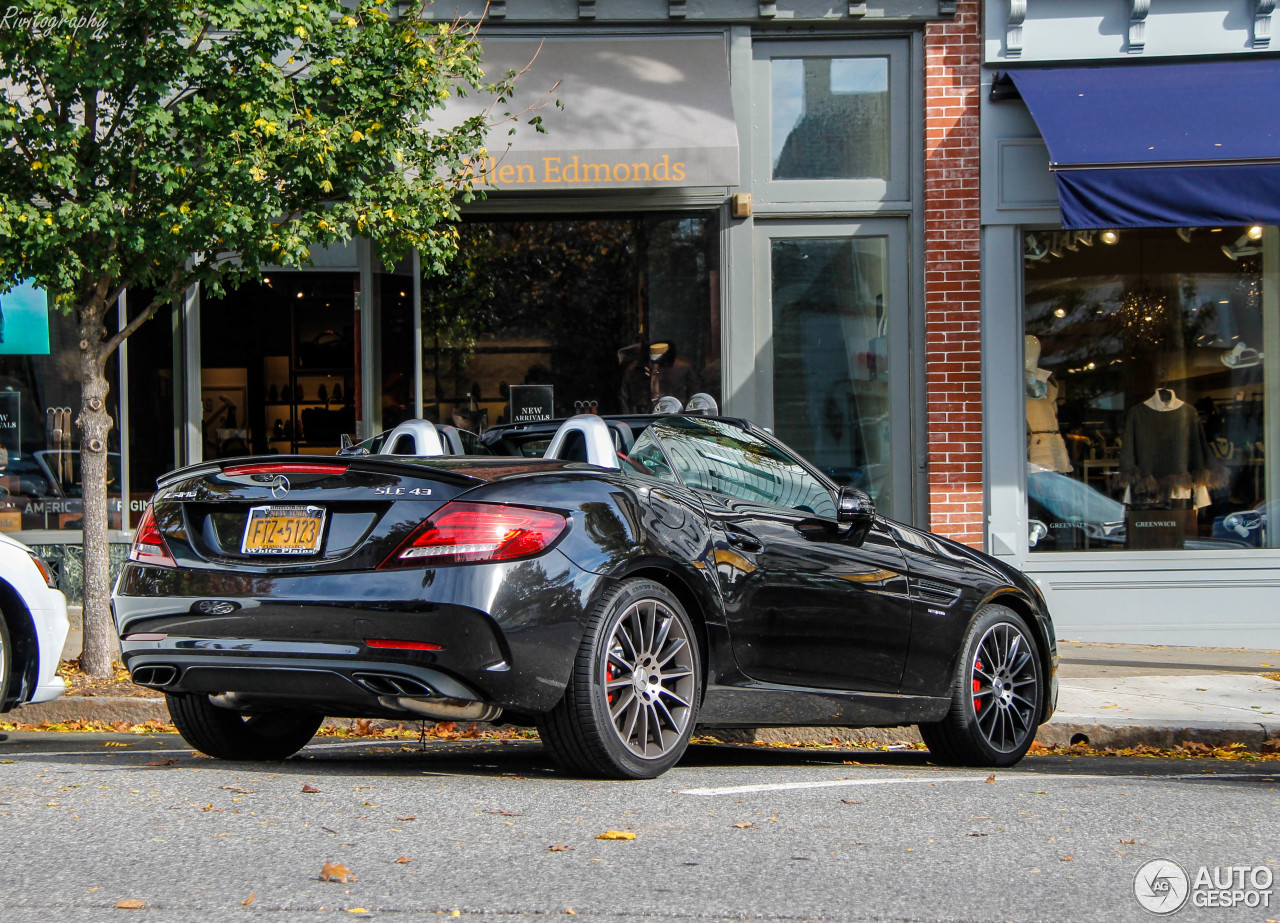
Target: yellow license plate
column 283, row 530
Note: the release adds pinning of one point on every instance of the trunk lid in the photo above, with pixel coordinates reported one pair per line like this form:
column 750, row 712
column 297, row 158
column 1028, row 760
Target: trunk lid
column 284, row 512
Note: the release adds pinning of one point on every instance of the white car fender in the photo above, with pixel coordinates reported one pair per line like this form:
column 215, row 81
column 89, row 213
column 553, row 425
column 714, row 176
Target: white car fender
column 48, row 610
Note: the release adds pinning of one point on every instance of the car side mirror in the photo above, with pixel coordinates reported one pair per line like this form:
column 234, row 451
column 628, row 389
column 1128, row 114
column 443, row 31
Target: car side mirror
column 854, row 507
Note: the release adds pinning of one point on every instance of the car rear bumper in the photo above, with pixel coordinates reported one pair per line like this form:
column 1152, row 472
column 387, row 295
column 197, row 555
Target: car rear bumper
column 506, row 634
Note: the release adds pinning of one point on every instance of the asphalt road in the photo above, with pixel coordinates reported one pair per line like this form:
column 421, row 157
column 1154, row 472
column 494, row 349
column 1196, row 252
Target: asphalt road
column 493, row 833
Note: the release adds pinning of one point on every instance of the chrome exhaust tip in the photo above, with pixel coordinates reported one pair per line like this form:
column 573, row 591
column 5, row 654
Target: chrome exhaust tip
column 441, row 709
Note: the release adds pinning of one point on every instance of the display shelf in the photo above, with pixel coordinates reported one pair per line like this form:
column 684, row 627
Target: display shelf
column 302, row 417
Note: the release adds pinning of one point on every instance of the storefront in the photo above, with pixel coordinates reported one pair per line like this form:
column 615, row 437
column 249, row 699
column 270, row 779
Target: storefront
column 1131, row 316
column 728, row 199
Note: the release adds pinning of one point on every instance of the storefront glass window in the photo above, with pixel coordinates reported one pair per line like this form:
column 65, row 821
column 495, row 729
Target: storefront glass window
column 395, row 352
column 563, row 315
column 279, row 365
column 830, row 118
column 1146, row 380
column 150, row 431
column 831, row 357
column 40, row 473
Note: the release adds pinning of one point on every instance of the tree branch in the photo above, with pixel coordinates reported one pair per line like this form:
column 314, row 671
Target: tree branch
column 141, row 318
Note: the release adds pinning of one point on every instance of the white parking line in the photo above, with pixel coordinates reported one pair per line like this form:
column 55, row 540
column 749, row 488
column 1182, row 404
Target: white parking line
column 1030, row 778
column 834, row 783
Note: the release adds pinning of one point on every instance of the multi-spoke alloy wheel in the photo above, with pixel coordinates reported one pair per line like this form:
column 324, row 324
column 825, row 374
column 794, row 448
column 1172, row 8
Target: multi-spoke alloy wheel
column 648, row 670
column 1004, row 674
column 997, row 695
column 632, row 700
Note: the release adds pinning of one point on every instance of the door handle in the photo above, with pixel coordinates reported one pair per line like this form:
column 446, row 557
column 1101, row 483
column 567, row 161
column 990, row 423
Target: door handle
column 744, row 540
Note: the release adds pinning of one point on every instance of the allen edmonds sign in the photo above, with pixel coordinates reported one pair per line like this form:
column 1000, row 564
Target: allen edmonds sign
column 573, row 170
column 621, row 113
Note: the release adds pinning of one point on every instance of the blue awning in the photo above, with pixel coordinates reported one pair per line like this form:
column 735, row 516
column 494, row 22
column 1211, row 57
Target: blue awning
column 1161, row 145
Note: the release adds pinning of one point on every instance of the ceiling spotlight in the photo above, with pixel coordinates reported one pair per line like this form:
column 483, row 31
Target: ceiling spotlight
column 299, row 294
column 1109, row 236
column 1254, row 233
column 1241, row 248
column 1033, row 248
column 1059, row 312
column 1085, row 237
column 1069, row 241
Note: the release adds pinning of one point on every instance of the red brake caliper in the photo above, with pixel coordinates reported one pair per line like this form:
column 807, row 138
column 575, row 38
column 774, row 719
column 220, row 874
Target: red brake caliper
column 608, row 678
column 977, row 687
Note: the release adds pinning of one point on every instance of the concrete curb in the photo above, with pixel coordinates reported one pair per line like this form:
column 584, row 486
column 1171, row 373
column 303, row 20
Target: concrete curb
column 139, row 710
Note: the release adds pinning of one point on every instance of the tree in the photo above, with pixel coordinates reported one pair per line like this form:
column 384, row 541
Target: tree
column 156, row 146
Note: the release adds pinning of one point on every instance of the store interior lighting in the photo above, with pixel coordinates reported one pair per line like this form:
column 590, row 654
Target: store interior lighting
column 1109, row 236
column 1245, row 245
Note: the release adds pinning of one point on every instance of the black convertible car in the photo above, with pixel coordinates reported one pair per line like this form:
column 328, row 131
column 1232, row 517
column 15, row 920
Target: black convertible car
column 614, row 582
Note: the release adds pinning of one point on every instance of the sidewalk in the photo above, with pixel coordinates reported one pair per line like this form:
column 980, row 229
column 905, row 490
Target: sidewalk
column 1116, row 695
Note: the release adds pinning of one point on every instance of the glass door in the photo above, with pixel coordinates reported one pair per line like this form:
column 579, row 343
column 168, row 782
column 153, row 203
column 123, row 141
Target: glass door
column 832, row 332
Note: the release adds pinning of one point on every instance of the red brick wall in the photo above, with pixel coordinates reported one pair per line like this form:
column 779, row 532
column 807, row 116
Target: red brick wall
column 951, row 227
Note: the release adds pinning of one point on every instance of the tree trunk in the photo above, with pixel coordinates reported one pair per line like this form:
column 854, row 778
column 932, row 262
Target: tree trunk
column 95, row 424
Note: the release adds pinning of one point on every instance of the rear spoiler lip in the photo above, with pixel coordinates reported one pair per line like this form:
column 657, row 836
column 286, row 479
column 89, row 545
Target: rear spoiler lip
column 358, row 462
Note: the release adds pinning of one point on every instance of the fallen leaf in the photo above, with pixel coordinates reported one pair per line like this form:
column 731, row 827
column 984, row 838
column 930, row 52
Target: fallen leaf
column 1127, row 842
column 975, row 834
column 407, row 817
column 336, row 872
column 130, row 903
column 1068, row 858
column 403, row 860
column 455, row 913
column 570, row 911
column 310, row 789
column 992, row 777
column 249, row 900
column 1271, row 745
column 616, row 835
column 559, row 847
column 742, row 825
column 356, row 910
column 162, row 762
column 237, row 789
column 117, row 743
column 6, row 762
column 851, row 801
column 207, row 808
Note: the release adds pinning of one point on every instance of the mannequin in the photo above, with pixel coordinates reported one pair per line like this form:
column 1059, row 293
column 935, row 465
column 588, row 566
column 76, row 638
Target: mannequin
column 1045, row 445
column 663, row 373
column 1164, row 454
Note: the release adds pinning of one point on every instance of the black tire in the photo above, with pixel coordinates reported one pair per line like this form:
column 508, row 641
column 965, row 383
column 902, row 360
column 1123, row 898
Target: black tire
column 994, row 715
column 6, row 661
column 227, row 735
column 634, row 723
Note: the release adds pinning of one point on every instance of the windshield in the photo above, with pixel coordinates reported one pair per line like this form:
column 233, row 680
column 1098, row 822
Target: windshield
column 719, row 456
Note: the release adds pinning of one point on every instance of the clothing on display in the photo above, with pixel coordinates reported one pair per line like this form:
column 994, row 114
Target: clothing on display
column 1045, row 446
column 664, row 374
column 1164, row 453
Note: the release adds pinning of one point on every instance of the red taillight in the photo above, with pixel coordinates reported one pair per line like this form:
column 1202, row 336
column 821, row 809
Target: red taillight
column 286, row 468
column 470, row 532
column 403, row 645
column 148, row 544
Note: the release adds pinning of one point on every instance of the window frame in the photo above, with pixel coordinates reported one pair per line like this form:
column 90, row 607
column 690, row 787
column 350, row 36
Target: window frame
column 898, row 187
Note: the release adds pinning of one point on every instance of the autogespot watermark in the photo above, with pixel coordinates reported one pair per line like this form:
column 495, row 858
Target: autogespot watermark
column 43, row 24
column 1162, row 886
